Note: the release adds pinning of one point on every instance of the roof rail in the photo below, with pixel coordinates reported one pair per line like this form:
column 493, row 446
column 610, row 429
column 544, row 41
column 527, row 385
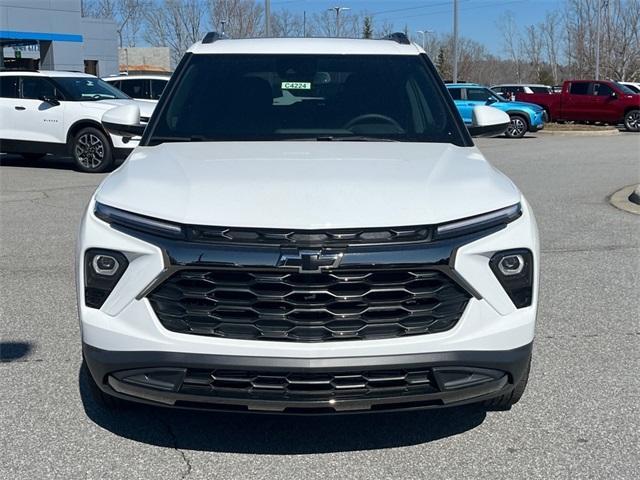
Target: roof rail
column 213, row 36
column 398, row 37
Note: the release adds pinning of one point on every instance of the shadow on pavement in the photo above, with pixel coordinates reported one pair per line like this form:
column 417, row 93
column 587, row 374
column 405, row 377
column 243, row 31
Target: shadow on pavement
column 13, row 351
column 279, row 435
column 47, row 161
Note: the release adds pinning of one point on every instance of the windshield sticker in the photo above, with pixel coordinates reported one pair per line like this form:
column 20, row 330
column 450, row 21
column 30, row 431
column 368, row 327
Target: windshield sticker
column 295, row 86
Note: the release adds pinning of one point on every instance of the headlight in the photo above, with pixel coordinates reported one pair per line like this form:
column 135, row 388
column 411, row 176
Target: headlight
column 102, row 271
column 115, row 216
column 479, row 222
column 514, row 271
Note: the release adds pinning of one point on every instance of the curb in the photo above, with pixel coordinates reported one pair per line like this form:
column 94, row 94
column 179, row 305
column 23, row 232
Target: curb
column 582, row 133
column 622, row 199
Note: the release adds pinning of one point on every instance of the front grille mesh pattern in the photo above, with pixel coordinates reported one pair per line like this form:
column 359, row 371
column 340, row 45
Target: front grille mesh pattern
column 309, row 386
column 309, row 307
column 307, row 238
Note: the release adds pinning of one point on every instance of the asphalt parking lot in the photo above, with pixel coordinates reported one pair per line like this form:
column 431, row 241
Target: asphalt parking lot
column 579, row 418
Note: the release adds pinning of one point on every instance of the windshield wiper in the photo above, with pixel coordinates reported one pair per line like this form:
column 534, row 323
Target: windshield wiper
column 356, row 138
column 339, row 138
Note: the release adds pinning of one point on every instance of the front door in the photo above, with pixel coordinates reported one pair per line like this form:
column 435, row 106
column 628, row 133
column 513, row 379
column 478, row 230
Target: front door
column 37, row 120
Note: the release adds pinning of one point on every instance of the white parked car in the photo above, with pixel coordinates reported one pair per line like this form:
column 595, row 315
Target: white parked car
column 140, row 87
column 515, row 88
column 60, row 112
column 633, row 86
column 314, row 232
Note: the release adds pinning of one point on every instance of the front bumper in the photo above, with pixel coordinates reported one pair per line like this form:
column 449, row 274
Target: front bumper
column 178, row 380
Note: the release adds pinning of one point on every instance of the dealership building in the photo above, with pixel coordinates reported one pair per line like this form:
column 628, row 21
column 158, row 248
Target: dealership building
column 54, row 35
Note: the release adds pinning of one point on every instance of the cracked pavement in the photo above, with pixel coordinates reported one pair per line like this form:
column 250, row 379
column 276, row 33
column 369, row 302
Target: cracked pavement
column 578, row 419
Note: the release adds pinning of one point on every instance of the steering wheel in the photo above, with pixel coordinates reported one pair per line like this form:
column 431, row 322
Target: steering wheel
column 372, row 116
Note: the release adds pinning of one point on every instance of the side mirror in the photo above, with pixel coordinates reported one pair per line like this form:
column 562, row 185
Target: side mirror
column 614, row 95
column 491, row 100
column 123, row 121
column 488, row 122
column 50, row 100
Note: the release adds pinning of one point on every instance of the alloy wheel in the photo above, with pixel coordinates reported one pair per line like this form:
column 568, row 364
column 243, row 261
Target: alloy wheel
column 633, row 120
column 517, row 127
column 90, row 151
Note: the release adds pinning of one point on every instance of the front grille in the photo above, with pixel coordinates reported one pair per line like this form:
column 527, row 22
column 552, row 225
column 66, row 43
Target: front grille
column 309, row 307
column 308, row 238
column 309, row 386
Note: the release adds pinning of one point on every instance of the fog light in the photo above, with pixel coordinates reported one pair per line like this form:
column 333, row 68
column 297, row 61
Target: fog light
column 514, row 271
column 102, row 271
column 105, row 265
column 511, row 265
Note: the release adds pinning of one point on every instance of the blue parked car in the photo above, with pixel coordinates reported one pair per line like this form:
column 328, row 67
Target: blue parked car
column 525, row 117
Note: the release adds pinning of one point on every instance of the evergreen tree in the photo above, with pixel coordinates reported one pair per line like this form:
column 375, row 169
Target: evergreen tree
column 442, row 64
column 367, row 28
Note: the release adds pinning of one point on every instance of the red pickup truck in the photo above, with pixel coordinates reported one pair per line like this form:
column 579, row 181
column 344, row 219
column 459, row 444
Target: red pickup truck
column 590, row 101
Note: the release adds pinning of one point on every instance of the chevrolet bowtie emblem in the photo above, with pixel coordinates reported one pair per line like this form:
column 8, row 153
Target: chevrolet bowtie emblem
column 306, row 261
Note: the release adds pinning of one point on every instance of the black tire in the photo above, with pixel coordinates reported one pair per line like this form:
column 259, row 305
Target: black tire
column 32, row 157
column 518, row 127
column 91, row 151
column 632, row 121
column 506, row 401
column 103, row 400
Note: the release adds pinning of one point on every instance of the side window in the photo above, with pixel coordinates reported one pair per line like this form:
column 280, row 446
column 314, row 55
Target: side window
column 456, row 93
column 37, row 87
column 519, row 90
column 157, row 87
column 579, row 88
column 499, row 89
column 138, row 88
column 117, row 84
column 602, row 90
column 9, row 87
column 478, row 94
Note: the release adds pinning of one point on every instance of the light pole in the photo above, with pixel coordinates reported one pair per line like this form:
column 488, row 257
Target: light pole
column 424, row 37
column 598, row 21
column 455, row 41
column 267, row 18
column 338, row 10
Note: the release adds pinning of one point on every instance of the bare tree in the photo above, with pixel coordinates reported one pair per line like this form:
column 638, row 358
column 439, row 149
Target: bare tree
column 531, row 46
column 128, row 15
column 326, row 24
column 242, row 18
column 512, row 42
column 552, row 43
column 176, row 24
column 287, row 24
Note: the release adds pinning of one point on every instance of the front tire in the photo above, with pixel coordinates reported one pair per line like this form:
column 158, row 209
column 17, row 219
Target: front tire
column 506, row 401
column 92, row 151
column 632, row 121
column 103, row 400
column 517, row 128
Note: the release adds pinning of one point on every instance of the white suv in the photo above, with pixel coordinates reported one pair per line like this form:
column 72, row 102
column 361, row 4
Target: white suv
column 60, row 112
column 141, row 87
column 307, row 227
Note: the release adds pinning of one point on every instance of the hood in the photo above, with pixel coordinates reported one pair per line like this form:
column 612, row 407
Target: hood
column 518, row 104
column 146, row 108
column 307, row 185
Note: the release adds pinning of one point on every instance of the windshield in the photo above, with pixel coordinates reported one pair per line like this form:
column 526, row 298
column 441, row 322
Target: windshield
column 305, row 97
column 87, row 88
column 482, row 94
column 628, row 89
